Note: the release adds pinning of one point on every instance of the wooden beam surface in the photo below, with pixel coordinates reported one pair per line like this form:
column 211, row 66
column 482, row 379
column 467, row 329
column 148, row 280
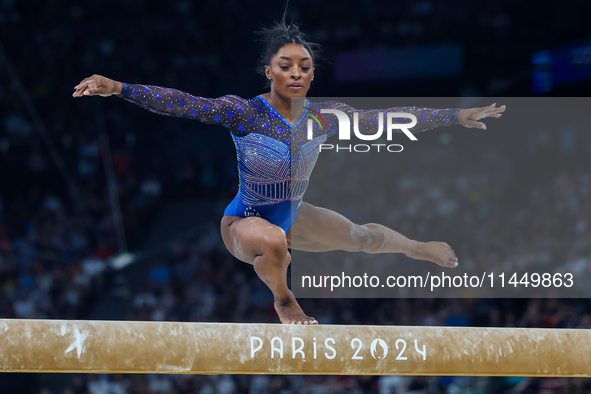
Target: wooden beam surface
column 212, row 348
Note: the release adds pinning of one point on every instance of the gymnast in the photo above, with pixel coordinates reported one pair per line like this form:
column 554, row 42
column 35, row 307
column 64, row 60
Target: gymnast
column 276, row 158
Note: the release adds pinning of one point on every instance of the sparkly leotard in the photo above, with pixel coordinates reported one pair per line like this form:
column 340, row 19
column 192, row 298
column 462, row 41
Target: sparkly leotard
column 275, row 158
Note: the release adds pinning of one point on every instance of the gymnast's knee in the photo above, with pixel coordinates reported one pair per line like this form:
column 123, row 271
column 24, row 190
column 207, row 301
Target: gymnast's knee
column 275, row 246
column 365, row 239
column 372, row 240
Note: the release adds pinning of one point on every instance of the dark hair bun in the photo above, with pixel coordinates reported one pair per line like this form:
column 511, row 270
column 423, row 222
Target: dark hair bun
column 280, row 34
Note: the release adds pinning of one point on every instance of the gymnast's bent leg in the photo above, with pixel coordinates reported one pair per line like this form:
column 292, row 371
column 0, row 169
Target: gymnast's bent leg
column 256, row 241
column 318, row 230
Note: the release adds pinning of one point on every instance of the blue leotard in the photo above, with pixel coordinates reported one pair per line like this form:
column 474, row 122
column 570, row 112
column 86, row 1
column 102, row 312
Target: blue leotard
column 275, row 158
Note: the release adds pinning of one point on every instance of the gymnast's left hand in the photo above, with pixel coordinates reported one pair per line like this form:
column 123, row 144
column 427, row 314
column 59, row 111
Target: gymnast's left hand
column 97, row 85
column 469, row 117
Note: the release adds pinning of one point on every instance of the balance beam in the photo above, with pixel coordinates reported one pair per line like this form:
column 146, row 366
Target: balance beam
column 219, row 348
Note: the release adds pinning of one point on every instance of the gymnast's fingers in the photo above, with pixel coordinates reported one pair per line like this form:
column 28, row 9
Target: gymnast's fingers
column 83, row 86
column 90, row 86
column 474, row 124
column 492, row 110
column 83, row 83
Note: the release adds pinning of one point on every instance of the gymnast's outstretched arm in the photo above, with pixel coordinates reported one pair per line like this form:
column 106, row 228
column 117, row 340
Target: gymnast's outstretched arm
column 228, row 111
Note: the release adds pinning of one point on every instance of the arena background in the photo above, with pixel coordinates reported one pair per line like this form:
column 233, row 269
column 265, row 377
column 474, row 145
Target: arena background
column 88, row 182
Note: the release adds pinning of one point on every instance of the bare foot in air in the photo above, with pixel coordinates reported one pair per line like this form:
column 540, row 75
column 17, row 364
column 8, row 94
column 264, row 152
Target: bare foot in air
column 439, row 253
column 290, row 312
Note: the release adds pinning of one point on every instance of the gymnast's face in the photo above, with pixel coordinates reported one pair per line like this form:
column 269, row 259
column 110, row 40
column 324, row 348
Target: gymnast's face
column 291, row 71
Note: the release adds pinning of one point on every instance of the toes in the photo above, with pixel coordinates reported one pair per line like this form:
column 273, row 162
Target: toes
column 306, row 322
column 451, row 263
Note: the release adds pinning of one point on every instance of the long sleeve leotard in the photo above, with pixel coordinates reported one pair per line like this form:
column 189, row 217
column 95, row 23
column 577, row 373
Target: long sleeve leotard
column 275, row 158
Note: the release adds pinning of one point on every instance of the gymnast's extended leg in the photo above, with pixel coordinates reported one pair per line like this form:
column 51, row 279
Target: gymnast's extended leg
column 318, row 230
column 264, row 245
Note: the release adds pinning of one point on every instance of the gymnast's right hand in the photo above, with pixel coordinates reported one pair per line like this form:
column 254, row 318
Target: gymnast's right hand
column 97, row 85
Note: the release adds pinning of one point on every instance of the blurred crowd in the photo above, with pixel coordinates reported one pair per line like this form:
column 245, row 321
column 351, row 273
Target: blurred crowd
column 59, row 228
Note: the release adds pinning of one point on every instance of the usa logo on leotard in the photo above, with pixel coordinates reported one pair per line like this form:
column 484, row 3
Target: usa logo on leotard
column 248, row 212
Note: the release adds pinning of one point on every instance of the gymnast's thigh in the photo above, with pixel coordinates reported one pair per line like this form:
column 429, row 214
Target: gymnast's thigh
column 247, row 238
column 319, row 230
